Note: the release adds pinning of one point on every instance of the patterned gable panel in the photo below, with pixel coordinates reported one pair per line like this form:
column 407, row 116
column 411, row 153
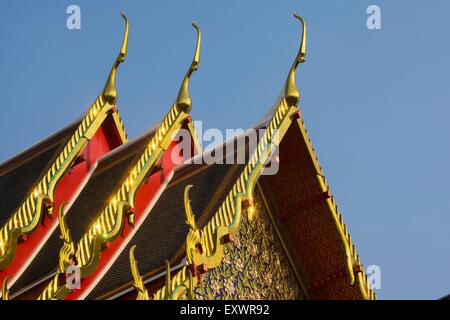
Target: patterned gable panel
column 254, row 267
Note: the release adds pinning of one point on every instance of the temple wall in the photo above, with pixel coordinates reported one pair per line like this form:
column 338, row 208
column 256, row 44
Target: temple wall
column 254, row 266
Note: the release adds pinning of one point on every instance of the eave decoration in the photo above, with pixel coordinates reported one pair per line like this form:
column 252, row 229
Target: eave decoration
column 138, row 283
column 5, row 291
column 39, row 202
column 204, row 247
column 120, row 210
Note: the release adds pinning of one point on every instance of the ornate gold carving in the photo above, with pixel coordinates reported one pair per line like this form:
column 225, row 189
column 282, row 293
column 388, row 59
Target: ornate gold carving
column 168, row 295
column 8, row 248
column 138, row 283
column 193, row 240
column 238, row 200
column 254, row 266
column 5, row 291
column 183, row 99
column 110, row 221
column 54, row 291
column 110, row 92
column 27, row 217
column 42, row 206
column 67, row 252
column 353, row 258
column 190, row 288
column 181, row 286
column 291, row 91
column 227, row 219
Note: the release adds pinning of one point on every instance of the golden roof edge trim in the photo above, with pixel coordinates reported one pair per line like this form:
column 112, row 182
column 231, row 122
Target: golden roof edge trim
column 26, row 218
column 110, row 221
column 109, row 93
column 213, row 235
column 138, row 283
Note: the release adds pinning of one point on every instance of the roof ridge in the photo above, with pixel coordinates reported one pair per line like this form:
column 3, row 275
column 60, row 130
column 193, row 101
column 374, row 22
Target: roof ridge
column 128, row 144
column 226, row 221
column 110, row 220
column 27, row 216
column 37, row 144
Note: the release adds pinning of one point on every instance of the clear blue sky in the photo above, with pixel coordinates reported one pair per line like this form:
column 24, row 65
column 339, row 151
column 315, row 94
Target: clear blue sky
column 376, row 103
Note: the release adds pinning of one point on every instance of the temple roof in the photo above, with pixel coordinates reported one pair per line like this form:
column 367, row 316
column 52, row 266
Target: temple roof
column 323, row 255
column 120, row 209
column 162, row 235
column 19, row 174
column 26, row 209
column 105, row 177
column 106, row 223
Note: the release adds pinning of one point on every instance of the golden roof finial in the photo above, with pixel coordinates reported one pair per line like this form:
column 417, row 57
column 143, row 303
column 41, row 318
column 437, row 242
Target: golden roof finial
column 194, row 236
column 190, row 286
column 183, row 99
column 190, row 217
column 5, row 292
column 109, row 92
column 67, row 251
column 138, row 283
column 291, row 92
column 65, row 231
column 168, row 282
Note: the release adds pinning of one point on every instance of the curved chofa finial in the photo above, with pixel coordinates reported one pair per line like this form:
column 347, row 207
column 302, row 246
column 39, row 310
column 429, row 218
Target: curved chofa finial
column 194, row 235
column 183, row 99
column 138, row 284
column 291, row 92
column 109, row 92
column 67, row 251
column 190, row 217
column 168, row 282
column 5, row 292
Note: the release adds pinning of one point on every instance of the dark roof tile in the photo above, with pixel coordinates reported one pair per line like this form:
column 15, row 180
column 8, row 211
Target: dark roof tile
column 21, row 173
column 164, row 231
column 108, row 175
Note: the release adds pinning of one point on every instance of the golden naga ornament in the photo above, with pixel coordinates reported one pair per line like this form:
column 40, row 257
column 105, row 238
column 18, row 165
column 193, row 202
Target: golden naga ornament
column 184, row 100
column 194, row 237
column 205, row 248
column 138, row 283
column 39, row 202
column 291, row 92
column 109, row 92
column 110, row 221
column 67, row 252
column 5, row 291
column 168, row 282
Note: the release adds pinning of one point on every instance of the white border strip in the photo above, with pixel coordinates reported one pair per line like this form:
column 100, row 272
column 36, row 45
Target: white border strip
column 50, row 232
column 125, row 242
column 159, row 275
